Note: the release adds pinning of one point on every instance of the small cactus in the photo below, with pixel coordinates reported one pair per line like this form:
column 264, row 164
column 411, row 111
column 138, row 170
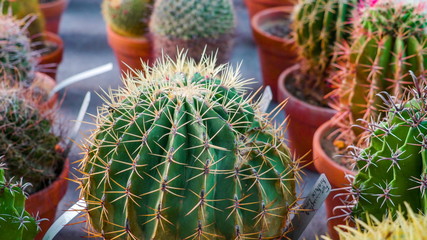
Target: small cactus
column 26, row 140
column 128, row 17
column 180, row 154
column 15, row 222
column 193, row 25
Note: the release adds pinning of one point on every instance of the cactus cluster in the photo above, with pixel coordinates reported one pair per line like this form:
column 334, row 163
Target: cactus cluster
column 389, row 39
column 15, row 222
column 27, row 141
column 193, row 25
column 17, row 60
column 128, row 17
column 178, row 153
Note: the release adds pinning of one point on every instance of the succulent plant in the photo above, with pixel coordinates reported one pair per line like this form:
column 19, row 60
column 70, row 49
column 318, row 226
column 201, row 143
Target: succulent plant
column 318, row 27
column 17, row 60
column 128, row 17
column 27, row 141
column 193, row 25
column 179, row 153
column 15, row 222
column 389, row 39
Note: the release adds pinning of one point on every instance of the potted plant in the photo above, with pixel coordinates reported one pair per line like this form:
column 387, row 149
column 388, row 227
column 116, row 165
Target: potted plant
column 180, row 147
column 127, row 31
column 49, row 45
column 52, row 11
column 255, row 6
column 373, row 63
column 196, row 26
column 31, row 151
column 305, row 85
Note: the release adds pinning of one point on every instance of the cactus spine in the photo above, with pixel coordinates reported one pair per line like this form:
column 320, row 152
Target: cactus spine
column 389, row 40
column 179, row 154
column 128, row 17
column 193, row 25
column 15, row 222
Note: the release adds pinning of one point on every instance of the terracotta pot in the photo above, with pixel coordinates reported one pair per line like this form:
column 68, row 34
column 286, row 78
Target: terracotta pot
column 255, row 6
column 130, row 51
column 52, row 12
column 335, row 173
column 45, row 202
column 304, row 118
column 45, row 83
column 49, row 62
column 275, row 54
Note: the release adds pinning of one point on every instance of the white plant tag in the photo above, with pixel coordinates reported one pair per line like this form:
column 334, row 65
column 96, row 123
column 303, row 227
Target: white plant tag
column 267, row 96
column 81, row 76
column 64, row 219
column 311, row 204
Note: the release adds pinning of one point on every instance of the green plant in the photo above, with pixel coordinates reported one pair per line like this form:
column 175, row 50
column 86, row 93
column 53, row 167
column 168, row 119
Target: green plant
column 15, row 222
column 180, row 154
column 27, row 142
column 389, row 39
column 128, row 17
column 17, row 60
column 318, row 27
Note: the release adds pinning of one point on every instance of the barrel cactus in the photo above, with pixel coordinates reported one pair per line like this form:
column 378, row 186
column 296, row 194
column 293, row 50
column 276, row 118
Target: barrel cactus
column 17, row 60
column 389, row 39
column 15, row 222
column 128, row 17
column 27, row 141
column 179, row 153
column 193, row 25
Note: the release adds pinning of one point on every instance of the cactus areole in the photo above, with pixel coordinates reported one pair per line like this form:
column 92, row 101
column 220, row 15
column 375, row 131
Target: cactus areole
column 178, row 153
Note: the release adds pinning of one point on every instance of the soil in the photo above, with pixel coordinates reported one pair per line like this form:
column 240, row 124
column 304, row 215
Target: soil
column 50, row 47
column 46, row 1
column 333, row 152
column 279, row 28
column 298, row 93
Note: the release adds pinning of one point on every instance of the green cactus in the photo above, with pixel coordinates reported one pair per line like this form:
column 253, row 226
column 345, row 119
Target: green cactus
column 318, row 26
column 26, row 139
column 389, row 39
column 15, row 222
column 28, row 10
column 179, row 154
column 17, row 60
column 128, row 17
column 193, row 25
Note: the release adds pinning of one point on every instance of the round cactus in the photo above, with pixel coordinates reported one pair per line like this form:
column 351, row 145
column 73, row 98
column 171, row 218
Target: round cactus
column 26, row 139
column 128, row 17
column 17, row 60
column 179, row 154
column 15, row 222
column 193, row 25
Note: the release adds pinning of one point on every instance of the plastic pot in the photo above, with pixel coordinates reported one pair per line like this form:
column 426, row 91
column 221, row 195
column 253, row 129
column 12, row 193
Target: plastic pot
column 52, row 12
column 276, row 54
column 49, row 61
column 304, row 118
column 255, row 6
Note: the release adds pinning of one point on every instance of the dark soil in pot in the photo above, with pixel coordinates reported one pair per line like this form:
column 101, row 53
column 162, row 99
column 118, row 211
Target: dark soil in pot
column 309, row 98
column 278, row 28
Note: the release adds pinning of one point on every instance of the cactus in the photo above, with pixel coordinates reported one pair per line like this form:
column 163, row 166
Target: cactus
column 128, row 17
column 17, row 60
column 389, row 39
column 193, row 25
column 180, row 154
column 15, row 222
column 26, row 139
column 28, row 10
column 318, row 27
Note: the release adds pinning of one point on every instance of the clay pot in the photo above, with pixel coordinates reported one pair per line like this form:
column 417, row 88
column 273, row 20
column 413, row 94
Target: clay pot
column 129, row 51
column 304, row 118
column 45, row 202
column 52, row 12
column 255, row 6
column 46, row 84
column 335, row 173
column 49, row 62
column 275, row 54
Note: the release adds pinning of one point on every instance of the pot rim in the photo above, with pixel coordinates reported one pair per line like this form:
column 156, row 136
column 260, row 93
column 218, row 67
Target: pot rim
column 57, row 40
column 263, row 15
column 53, row 4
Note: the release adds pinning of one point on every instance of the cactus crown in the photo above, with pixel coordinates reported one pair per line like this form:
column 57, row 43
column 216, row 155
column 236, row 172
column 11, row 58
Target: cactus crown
column 183, row 19
column 128, row 17
column 179, row 153
column 26, row 139
column 15, row 222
